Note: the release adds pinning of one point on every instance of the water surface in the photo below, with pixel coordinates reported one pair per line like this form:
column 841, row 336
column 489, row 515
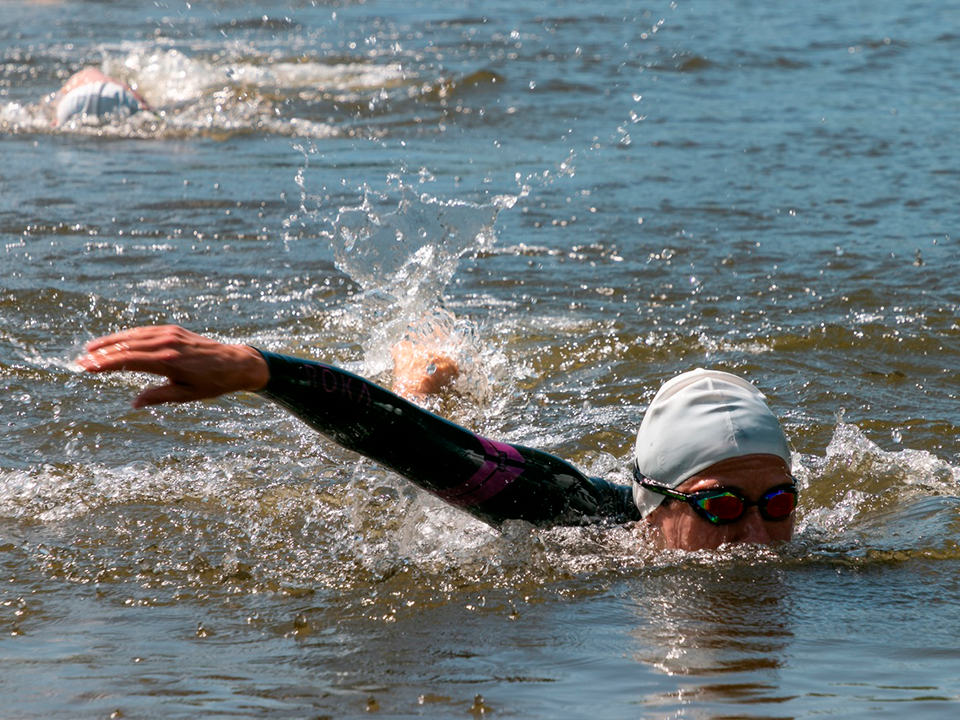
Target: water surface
column 603, row 194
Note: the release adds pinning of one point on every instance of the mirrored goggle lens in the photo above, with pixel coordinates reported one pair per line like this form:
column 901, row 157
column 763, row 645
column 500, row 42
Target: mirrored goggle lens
column 779, row 504
column 722, row 507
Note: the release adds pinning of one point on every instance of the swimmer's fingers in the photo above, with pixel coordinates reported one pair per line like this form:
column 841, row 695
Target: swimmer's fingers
column 146, row 337
column 158, row 350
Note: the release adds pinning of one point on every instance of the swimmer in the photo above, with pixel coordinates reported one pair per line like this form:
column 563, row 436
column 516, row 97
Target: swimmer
column 711, row 463
column 89, row 94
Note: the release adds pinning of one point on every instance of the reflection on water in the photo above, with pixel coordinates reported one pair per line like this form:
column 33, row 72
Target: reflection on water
column 724, row 628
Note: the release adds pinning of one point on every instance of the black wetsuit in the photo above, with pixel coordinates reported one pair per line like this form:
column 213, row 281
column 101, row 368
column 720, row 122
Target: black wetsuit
column 491, row 480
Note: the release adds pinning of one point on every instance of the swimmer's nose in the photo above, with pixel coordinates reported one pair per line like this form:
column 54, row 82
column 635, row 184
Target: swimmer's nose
column 752, row 529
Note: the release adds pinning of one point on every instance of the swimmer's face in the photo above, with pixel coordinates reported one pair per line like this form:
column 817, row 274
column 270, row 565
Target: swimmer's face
column 753, row 475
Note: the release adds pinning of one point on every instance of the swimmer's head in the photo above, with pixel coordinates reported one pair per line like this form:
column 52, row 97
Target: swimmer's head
column 95, row 100
column 696, row 420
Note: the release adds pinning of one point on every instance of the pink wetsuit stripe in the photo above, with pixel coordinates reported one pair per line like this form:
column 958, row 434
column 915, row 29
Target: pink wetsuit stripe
column 489, row 479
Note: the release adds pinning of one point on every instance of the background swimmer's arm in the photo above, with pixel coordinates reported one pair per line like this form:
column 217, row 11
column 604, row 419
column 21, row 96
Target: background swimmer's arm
column 493, row 481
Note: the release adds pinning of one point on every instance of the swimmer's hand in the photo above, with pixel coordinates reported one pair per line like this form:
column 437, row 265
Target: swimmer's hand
column 418, row 370
column 196, row 367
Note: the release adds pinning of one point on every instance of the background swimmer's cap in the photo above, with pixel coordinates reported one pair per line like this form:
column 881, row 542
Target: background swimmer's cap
column 698, row 419
column 96, row 99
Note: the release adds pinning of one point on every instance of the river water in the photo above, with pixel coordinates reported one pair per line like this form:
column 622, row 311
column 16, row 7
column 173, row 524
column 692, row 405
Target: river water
column 603, row 194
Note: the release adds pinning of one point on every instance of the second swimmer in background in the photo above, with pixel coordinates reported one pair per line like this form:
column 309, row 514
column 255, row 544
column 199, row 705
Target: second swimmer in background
column 92, row 95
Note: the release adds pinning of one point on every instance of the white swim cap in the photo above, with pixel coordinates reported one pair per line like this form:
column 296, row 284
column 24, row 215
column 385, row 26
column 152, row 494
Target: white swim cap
column 696, row 420
column 96, row 99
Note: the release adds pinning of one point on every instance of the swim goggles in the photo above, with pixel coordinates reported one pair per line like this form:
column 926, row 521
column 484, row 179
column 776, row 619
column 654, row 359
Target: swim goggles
column 722, row 506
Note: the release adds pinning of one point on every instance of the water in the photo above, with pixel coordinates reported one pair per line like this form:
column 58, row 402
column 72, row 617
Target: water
column 603, row 194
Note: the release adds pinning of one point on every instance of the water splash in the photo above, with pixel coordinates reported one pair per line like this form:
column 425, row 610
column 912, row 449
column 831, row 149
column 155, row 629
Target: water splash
column 412, row 250
column 403, row 246
column 865, row 502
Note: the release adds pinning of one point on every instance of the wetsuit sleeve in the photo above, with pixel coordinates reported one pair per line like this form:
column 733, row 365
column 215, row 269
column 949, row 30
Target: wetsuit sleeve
column 493, row 481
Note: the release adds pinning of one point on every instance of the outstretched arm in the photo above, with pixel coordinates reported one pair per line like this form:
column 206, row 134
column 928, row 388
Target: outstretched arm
column 493, row 481
column 198, row 368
